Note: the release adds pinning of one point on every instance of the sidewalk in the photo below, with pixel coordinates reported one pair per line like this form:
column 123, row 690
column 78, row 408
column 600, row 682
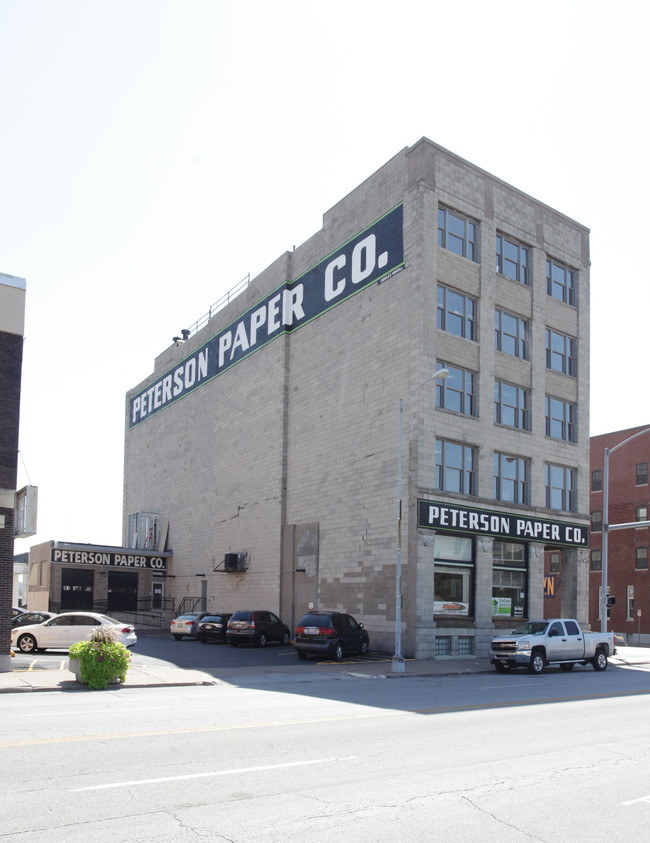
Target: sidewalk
column 148, row 676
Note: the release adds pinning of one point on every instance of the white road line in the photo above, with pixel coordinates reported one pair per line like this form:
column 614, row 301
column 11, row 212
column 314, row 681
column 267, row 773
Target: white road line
column 213, row 773
column 634, row 801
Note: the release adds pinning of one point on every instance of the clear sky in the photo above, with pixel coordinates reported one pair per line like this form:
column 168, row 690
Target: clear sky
column 154, row 152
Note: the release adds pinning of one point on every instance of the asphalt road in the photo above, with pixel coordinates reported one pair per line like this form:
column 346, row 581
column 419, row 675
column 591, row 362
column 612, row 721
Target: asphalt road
column 563, row 756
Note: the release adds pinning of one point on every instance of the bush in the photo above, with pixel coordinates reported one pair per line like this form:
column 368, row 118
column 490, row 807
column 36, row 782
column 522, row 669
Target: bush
column 101, row 658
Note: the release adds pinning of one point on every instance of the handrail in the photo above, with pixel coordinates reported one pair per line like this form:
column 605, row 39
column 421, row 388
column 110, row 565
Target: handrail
column 218, row 305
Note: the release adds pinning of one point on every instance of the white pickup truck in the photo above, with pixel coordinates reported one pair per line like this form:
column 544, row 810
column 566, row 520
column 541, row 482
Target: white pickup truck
column 536, row 644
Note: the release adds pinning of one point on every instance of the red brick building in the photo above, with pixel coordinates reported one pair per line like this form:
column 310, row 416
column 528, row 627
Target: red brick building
column 627, row 555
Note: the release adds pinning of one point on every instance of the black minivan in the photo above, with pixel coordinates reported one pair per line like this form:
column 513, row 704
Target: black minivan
column 330, row 633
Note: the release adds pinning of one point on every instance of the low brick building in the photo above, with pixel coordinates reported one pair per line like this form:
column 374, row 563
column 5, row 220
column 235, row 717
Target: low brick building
column 627, row 554
column 264, row 445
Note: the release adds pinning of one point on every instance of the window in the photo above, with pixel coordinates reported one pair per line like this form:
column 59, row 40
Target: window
column 597, row 481
column 642, row 513
column 456, row 391
column 510, row 334
column 596, row 560
column 458, row 233
column 511, row 478
column 509, row 575
column 453, row 575
column 456, row 313
column 642, row 474
column 144, row 530
column 596, row 521
column 560, row 282
column 630, row 603
column 560, row 487
column 512, row 259
column 455, row 467
column 560, row 419
column 511, row 405
column 560, row 352
column 641, row 559
column 555, row 562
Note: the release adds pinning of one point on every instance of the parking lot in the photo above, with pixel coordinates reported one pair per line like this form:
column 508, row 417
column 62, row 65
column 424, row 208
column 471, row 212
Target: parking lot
column 160, row 648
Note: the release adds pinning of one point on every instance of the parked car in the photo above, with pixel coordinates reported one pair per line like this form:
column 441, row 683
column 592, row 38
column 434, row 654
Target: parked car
column 15, row 611
column 187, row 624
column 213, row 627
column 256, row 627
column 330, row 633
column 65, row 629
column 27, row 618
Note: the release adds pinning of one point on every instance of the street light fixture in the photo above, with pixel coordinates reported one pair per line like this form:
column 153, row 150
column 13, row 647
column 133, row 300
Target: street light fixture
column 606, row 527
column 398, row 659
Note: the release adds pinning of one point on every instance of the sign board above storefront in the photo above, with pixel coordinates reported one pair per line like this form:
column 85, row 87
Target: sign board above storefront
column 435, row 515
column 115, row 558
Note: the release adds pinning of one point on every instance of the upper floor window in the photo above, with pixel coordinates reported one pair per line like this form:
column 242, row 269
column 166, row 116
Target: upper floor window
column 642, row 513
column 458, row 233
column 455, row 467
column 555, row 562
column 511, row 334
column 511, row 481
column 560, row 352
column 560, row 419
column 597, row 480
column 560, row 281
column 560, row 485
column 512, row 259
column 144, row 530
column 456, row 313
column 596, row 521
column 642, row 559
column 457, row 391
column 642, row 474
column 511, row 405
column 596, row 560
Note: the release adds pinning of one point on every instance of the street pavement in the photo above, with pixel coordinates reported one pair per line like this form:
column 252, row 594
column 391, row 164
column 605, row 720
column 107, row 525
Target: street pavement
column 157, row 675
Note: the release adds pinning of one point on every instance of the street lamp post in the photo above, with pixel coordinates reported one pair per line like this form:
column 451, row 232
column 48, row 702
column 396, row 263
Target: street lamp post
column 398, row 658
column 606, row 527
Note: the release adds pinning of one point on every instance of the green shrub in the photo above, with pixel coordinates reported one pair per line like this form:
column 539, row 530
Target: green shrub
column 101, row 658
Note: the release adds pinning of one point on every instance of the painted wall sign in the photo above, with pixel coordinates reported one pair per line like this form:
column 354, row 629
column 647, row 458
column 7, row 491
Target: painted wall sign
column 372, row 256
column 434, row 515
column 111, row 559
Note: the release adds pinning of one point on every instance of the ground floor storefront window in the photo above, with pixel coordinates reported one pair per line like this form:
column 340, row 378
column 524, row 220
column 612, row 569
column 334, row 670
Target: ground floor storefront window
column 453, row 576
column 509, row 579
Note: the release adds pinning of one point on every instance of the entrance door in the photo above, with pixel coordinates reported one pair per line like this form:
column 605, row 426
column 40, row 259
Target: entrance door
column 76, row 589
column 122, row 592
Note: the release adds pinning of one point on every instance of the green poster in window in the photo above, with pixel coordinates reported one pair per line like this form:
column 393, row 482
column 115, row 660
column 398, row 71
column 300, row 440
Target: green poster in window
column 501, row 606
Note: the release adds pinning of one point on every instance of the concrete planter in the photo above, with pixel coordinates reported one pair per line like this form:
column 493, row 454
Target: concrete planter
column 74, row 666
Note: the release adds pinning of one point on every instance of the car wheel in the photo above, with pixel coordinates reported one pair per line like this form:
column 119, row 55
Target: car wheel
column 566, row 666
column 536, row 663
column 27, row 644
column 286, row 638
column 600, row 660
column 178, row 637
column 262, row 640
column 337, row 655
column 364, row 648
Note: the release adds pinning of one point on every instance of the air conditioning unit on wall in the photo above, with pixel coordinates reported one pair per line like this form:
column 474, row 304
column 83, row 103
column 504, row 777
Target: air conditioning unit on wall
column 235, row 561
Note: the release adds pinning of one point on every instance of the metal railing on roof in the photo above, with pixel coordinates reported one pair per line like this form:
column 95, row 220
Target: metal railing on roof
column 217, row 306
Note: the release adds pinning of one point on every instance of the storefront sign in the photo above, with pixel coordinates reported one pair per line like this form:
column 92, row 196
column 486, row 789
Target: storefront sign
column 112, row 559
column 372, row 256
column 434, row 515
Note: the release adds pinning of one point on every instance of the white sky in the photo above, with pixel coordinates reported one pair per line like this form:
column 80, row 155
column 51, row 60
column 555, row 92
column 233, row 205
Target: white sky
column 153, row 152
